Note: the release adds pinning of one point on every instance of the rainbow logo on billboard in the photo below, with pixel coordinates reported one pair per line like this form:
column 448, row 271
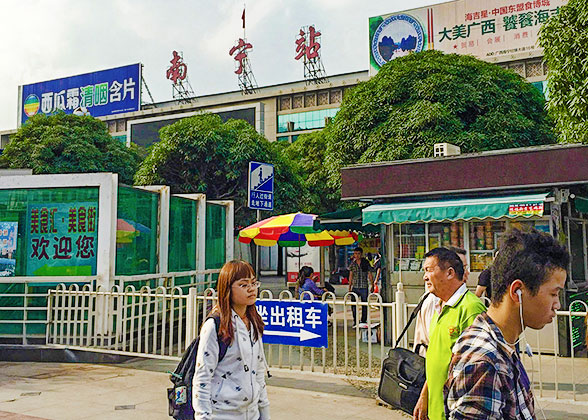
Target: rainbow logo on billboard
column 31, row 105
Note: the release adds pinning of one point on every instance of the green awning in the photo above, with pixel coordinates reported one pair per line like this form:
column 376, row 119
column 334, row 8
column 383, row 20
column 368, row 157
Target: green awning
column 349, row 219
column 458, row 209
column 581, row 204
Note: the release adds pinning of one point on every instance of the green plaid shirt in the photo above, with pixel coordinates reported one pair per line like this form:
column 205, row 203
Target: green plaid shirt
column 360, row 277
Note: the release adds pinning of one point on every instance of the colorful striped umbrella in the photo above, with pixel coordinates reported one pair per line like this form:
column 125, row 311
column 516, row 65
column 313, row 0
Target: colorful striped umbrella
column 290, row 230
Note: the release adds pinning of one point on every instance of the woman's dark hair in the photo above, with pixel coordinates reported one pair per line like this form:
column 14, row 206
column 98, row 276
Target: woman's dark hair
column 232, row 272
column 447, row 258
column 528, row 256
column 304, row 273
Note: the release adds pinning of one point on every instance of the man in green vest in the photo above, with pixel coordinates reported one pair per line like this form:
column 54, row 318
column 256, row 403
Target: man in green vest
column 456, row 310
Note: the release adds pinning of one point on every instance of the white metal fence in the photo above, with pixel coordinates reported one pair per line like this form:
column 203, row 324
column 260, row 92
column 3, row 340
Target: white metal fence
column 162, row 322
column 141, row 321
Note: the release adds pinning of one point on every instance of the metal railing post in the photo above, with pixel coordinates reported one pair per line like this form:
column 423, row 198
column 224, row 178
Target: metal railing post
column 191, row 308
column 400, row 309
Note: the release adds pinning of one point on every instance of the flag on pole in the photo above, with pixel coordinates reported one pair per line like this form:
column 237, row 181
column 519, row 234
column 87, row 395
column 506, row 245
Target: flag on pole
column 243, row 18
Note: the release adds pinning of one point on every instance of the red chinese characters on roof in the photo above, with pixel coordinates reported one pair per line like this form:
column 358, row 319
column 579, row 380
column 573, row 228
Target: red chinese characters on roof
column 241, row 53
column 308, row 49
column 178, row 69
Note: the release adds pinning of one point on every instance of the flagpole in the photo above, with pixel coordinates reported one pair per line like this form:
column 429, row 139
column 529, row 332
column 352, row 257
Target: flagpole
column 243, row 17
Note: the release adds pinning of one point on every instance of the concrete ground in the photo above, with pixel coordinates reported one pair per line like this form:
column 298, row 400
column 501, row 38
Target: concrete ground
column 31, row 391
column 136, row 390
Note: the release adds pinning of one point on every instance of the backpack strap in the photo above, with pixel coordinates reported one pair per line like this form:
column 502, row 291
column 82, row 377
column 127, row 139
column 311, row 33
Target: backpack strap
column 412, row 317
column 222, row 346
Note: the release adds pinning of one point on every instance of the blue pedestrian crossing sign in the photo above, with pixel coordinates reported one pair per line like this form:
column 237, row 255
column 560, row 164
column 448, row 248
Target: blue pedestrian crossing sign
column 261, row 186
column 297, row 323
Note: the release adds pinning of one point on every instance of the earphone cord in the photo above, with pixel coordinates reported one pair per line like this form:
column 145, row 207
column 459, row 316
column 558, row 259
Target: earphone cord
column 522, row 324
column 528, row 347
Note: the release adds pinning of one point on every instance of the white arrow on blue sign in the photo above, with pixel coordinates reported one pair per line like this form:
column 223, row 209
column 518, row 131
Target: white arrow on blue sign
column 294, row 322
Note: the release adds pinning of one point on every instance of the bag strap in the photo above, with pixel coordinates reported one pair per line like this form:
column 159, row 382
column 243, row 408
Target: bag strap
column 412, row 317
column 222, row 346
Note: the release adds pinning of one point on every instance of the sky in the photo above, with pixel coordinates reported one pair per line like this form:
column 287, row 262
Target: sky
column 49, row 39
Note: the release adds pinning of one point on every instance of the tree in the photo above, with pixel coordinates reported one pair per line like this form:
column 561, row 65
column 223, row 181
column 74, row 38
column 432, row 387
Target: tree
column 64, row 143
column 563, row 38
column 430, row 97
column 307, row 155
column 201, row 154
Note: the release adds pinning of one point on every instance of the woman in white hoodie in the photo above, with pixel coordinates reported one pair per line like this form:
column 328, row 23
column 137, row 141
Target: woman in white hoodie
column 233, row 388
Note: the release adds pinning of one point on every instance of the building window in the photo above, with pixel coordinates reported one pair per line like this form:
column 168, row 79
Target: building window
column 294, row 138
column 283, row 138
column 298, row 101
column 518, row 68
column 534, row 69
column 305, row 120
column 111, row 126
column 309, row 100
column 336, row 96
column 323, row 97
column 285, row 103
column 121, row 125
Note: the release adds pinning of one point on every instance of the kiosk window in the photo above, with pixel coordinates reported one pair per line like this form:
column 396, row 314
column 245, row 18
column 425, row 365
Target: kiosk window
column 446, row 234
column 483, row 243
column 413, row 247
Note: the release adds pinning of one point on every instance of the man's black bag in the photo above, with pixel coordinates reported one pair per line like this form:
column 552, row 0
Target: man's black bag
column 180, row 396
column 403, row 373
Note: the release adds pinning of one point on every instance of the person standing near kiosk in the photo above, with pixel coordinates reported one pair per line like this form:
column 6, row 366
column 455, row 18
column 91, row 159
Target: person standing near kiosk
column 361, row 282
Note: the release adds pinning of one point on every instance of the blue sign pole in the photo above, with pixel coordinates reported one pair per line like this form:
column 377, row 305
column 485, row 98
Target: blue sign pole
column 297, row 323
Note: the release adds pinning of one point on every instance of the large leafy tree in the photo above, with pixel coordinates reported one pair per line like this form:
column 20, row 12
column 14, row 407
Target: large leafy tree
column 64, row 143
column 203, row 154
column 431, row 97
column 307, row 155
column 564, row 38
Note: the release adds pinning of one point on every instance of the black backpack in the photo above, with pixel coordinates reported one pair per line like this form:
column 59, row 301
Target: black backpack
column 180, row 395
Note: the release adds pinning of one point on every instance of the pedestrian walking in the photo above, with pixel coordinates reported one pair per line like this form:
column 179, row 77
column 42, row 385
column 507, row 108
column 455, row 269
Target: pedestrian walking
column 425, row 315
column 486, row 377
column 234, row 388
column 455, row 310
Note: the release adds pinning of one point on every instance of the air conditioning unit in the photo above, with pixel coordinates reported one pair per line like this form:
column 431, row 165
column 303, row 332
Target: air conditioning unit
column 290, row 125
column 446, row 149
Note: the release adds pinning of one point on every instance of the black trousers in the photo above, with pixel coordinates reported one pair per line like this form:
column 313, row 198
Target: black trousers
column 363, row 295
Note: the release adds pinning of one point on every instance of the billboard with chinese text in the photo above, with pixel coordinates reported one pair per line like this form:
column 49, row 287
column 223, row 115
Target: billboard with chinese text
column 489, row 30
column 62, row 239
column 100, row 93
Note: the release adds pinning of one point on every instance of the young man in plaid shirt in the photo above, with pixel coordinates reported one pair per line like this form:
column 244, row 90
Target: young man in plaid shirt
column 486, row 377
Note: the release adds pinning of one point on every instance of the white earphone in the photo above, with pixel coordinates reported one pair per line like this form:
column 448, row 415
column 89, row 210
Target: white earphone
column 528, row 349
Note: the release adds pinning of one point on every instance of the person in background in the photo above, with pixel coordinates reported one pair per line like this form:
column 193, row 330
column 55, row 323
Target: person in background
column 378, row 276
column 306, row 282
column 233, row 388
column 423, row 320
column 484, row 284
column 486, row 377
column 454, row 312
column 361, row 282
